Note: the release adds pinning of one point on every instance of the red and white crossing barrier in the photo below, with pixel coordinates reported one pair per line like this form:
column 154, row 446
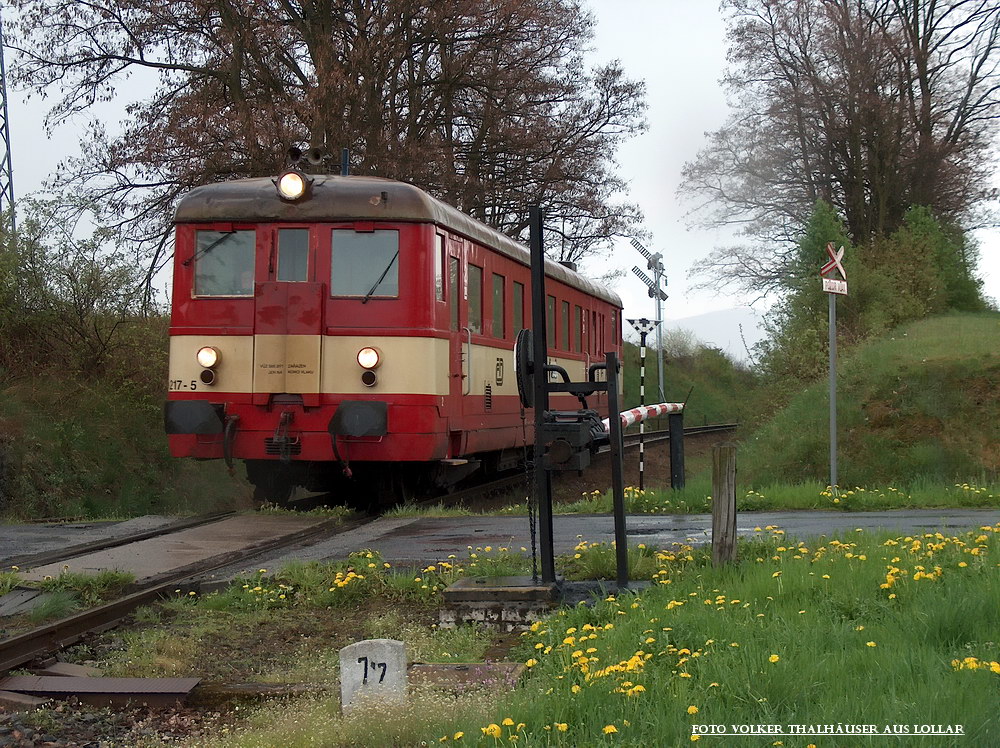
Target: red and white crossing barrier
column 637, row 415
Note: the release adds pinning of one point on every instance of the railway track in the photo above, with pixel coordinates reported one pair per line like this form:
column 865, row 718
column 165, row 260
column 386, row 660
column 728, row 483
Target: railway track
column 499, row 486
column 23, row 648
column 43, row 640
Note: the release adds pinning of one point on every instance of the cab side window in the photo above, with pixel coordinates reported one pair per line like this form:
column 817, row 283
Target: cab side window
column 293, row 254
column 224, row 263
column 365, row 263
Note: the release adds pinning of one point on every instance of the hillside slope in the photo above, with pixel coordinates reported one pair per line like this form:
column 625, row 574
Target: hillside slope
column 921, row 403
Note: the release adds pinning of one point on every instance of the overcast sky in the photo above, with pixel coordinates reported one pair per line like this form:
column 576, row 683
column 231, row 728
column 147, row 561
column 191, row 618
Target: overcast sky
column 677, row 47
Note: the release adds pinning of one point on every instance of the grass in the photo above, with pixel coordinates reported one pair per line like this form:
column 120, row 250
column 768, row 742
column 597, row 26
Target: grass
column 862, row 629
column 8, row 581
column 868, row 629
column 89, row 589
column 69, row 591
column 920, row 403
column 695, row 498
column 71, row 447
column 59, row 604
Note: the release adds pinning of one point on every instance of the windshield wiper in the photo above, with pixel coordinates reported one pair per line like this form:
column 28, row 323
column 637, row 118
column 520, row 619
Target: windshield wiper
column 209, row 248
column 380, row 279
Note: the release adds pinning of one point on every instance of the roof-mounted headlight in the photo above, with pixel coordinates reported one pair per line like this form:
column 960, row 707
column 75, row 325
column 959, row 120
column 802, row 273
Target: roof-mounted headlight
column 292, row 185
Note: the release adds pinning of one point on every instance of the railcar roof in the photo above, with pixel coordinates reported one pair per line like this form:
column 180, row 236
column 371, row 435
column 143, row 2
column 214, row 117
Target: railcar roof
column 359, row 198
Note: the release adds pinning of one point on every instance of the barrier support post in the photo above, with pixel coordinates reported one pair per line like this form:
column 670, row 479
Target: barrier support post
column 675, row 423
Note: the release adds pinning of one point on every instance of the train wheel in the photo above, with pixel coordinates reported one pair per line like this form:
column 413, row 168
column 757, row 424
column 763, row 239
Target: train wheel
column 272, row 482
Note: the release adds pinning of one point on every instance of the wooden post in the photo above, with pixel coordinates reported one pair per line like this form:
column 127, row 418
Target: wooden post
column 723, row 503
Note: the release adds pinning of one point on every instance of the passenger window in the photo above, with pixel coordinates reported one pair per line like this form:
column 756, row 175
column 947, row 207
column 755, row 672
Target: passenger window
column 293, row 254
column 564, row 319
column 498, row 306
column 224, row 263
column 550, row 321
column 518, row 307
column 577, row 329
column 365, row 263
column 476, row 299
column 439, row 268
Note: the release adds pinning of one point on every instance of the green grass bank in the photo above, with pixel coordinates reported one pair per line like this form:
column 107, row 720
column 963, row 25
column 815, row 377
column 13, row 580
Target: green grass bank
column 919, row 404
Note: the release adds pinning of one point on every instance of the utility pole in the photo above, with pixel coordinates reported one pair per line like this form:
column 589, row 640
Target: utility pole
column 654, row 262
column 6, row 166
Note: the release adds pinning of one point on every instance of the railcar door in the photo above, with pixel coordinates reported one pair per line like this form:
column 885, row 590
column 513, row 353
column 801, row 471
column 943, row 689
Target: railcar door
column 458, row 344
column 288, row 320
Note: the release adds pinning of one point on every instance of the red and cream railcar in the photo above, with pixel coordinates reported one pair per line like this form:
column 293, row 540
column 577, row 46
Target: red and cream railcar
column 365, row 329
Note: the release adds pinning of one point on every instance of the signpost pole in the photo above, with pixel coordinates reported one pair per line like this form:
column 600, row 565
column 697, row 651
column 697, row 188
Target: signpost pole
column 833, row 390
column 833, row 287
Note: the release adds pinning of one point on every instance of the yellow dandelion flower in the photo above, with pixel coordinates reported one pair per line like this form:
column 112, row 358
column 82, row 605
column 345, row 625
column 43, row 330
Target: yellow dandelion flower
column 608, row 729
column 531, row 663
column 871, row 644
column 459, row 735
column 773, row 658
column 507, row 722
column 562, row 726
column 493, row 730
column 692, row 709
column 695, row 738
column 575, row 688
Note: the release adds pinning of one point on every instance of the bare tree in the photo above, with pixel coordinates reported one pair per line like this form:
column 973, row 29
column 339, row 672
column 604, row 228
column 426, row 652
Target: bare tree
column 871, row 105
column 486, row 103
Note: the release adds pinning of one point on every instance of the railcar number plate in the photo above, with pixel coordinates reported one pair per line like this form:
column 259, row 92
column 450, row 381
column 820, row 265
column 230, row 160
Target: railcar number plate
column 180, row 384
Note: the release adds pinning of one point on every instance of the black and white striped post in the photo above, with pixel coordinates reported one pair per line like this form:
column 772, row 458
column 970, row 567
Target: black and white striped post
column 643, row 327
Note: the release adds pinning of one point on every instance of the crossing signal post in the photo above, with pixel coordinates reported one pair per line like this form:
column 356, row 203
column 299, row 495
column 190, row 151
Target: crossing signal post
column 643, row 327
column 654, row 262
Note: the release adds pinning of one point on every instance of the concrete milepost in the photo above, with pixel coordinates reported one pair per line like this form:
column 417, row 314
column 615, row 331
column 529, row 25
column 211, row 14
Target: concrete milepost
column 833, row 287
column 372, row 672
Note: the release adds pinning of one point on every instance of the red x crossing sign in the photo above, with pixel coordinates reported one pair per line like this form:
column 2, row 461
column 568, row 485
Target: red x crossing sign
column 834, row 262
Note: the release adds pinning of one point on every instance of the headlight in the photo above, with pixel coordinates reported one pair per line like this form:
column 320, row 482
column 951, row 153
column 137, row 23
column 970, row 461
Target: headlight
column 208, row 357
column 369, row 358
column 292, row 185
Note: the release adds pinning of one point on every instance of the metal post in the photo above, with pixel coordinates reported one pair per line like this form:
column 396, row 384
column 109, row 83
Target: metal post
column 617, row 482
column 833, row 390
column 659, row 332
column 642, row 402
column 6, row 162
column 543, row 483
column 675, row 422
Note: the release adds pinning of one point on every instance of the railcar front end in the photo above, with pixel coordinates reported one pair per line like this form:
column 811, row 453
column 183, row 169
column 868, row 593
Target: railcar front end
column 359, row 337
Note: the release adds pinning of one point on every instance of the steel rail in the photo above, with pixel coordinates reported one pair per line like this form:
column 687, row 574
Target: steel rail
column 512, row 481
column 22, row 648
column 50, row 557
